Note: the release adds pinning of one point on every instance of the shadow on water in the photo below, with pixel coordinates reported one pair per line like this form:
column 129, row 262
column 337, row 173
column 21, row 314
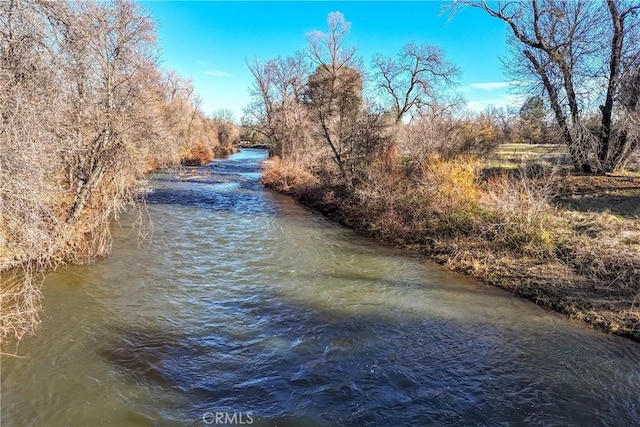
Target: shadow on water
column 225, row 185
column 291, row 364
column 143, row 353
column 299, row 323
column 218, row 199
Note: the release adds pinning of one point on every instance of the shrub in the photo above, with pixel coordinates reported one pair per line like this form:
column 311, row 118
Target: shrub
column 454, row 183
column 442, row 134
column 438, row 197
column 198, row 155
column 287, row 176
column 519, row 211
column 451, row 190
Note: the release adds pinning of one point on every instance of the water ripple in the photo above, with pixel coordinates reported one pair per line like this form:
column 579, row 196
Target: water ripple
column 244, row 302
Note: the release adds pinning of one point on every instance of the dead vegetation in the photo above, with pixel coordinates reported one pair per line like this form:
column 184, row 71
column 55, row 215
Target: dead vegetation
column 454, row 186
column 85, row 111
column 509, row 230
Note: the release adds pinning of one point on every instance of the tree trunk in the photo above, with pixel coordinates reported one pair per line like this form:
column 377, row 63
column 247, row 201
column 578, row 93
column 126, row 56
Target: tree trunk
column 573, row 144
column 84, row 192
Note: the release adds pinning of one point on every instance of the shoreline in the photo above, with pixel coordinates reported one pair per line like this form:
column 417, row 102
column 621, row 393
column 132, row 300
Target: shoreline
column 553, row 283
column 20, row 304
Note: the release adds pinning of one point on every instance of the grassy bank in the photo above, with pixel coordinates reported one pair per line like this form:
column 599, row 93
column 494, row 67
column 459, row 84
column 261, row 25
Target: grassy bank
column 545, row 236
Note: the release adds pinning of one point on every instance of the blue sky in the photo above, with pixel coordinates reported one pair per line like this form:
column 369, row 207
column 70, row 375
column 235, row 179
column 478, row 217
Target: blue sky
column 210, row 41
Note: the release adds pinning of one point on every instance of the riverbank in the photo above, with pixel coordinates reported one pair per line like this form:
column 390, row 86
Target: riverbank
column 23, row 268
column 244, row 299
column 578, row 255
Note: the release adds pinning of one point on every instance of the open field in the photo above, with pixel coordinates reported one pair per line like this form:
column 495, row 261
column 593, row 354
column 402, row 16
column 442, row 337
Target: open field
column 509, row 156
column 598, row 228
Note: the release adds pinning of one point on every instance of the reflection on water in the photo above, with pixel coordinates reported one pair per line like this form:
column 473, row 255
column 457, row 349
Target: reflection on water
column 244, row 303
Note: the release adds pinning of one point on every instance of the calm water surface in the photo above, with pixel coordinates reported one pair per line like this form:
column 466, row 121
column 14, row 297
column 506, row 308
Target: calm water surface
column 244, row 303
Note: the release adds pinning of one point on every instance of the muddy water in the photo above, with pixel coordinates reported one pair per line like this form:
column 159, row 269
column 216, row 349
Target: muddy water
column 246, row 308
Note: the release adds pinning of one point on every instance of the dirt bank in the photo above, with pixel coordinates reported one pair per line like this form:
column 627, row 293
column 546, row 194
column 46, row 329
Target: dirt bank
column 592, row 274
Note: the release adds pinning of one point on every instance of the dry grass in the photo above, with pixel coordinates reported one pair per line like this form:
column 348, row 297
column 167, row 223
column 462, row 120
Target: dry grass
column 507, row 230
column 199, row 154
column 512, row 156
column 520, row 211
column 20, row 303
column 288, row 176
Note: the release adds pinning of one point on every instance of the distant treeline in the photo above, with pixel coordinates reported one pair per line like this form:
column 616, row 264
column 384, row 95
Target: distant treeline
column 578, row 63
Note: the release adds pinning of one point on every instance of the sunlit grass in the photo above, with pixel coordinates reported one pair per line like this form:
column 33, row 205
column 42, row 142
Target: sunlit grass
column 511, row 156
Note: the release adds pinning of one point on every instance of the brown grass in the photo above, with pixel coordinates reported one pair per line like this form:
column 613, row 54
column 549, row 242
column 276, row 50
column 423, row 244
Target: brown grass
column 520, row 212
column 288, row 177
column 199, row 154
column 506, row 230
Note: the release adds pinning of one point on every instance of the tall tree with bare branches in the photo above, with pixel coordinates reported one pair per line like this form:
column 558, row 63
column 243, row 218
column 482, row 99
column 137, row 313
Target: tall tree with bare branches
column 277, row 110
column 418, row 78
column 113, row 53
column 334, row 97
column 582, row 54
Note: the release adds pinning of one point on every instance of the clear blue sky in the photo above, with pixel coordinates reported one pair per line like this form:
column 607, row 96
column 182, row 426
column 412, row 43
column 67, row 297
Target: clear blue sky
column 210, row 41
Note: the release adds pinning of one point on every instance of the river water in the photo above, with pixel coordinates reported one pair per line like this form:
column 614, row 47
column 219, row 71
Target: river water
column 244, row 307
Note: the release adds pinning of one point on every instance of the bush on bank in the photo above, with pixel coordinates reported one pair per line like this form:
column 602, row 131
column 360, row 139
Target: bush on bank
column 504, row 229
column 76, row 137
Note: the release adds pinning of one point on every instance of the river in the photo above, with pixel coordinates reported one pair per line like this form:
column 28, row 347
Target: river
column 243, row 307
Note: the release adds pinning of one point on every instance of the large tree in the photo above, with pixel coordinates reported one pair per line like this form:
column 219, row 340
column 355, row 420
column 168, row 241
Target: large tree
column 111, row 56
column 585, row 56
column 335, row 100
column 277, row 110
column 335, row 103
column 418, row 78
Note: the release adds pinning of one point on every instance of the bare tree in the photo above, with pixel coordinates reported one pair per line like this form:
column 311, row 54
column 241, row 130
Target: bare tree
column 112, row 55
column 30, row 77
column 328, row 50
column 334, row 97
column 182, row 112
column 581, row 53
column 259, row 115
column 419, row 78
column 277, row 110
column 335, row 103
column 84, row 111
column 31, row 234
column 224, row 114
